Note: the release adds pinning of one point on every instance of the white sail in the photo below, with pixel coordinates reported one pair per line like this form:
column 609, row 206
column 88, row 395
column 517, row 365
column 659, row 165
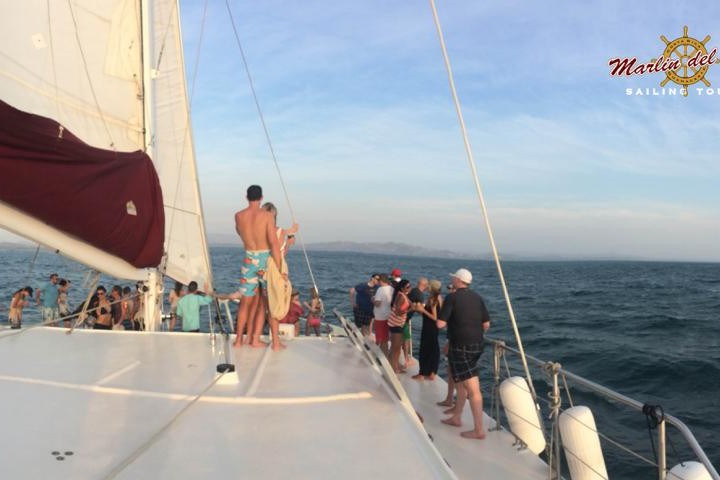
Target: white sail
column 173, row 152
column 83, row 64
column 78, row 63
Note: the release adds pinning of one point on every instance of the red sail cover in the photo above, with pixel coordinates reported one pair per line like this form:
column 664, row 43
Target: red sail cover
column 109, row 199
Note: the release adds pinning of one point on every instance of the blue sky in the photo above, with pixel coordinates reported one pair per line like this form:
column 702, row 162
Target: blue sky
column 356, row 99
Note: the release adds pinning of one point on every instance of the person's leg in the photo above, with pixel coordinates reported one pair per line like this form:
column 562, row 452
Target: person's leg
column 396, row 341
column 247, row 305
column 274, row 327
column 259, row 320
column 472, row 387
column 456, row 412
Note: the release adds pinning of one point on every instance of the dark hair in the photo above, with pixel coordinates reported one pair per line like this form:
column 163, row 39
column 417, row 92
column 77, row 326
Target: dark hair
column 383, row 277
column 254, row 193
column 178, row 288
column 127, row 291
column 398, row 288
column 63, row 282
column 100, row 289
column 192, row 286
column 25, row 289
column 117, row 288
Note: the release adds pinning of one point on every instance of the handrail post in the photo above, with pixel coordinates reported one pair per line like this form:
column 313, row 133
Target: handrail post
column 554, row 369
column 499, row 351
column 662, row 458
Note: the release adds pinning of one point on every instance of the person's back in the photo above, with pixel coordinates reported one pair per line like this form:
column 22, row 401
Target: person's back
column 188, row 308
column 253, row 225
column 465, row 324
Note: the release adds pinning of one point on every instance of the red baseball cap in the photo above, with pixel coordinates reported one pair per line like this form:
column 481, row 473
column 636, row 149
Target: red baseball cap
column 396, row 273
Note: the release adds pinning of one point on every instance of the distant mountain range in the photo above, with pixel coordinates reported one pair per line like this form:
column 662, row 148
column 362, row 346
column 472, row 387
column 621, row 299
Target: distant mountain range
column 386, row 248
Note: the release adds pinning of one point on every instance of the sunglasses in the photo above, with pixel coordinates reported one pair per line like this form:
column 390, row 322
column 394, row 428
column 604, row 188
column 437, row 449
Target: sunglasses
column 101, row 293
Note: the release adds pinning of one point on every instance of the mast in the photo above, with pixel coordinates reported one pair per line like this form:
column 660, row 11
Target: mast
column 153, row 289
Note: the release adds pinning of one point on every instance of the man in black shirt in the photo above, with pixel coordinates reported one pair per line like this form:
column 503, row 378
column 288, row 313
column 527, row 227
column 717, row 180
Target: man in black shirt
column 467, row 319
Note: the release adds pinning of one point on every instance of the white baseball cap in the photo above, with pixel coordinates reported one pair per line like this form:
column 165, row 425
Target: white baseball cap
column 463, row 275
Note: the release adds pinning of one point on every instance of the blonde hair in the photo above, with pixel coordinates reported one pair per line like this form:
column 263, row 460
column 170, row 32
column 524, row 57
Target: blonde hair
column 435, row 287
column 270, row 207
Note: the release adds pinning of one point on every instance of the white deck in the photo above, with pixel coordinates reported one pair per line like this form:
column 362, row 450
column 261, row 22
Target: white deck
column 315, row 410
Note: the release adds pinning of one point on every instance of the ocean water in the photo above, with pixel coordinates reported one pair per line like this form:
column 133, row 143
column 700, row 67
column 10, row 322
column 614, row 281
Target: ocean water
column 645, row 329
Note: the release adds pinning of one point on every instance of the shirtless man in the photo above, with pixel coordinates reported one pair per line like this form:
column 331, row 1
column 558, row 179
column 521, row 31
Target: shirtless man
column 257, row 230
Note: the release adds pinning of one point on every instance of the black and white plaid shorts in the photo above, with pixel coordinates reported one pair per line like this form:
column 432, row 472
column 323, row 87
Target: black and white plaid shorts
column 463, row 360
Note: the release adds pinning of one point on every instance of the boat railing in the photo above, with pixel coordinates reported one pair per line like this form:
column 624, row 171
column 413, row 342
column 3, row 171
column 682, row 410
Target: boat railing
column 377, row 360
column 558, row 375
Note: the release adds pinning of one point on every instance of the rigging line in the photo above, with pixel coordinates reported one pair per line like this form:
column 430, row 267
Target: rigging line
column 154, row 438
column 83, row 313
column 87, row 74
column 269, row 141
column 471, row 161
column 52, row 61
column 32, row 265
column 186, row 129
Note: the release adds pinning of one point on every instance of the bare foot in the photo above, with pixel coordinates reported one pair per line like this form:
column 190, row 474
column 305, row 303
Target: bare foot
column 450, row 410
column 473, row 434
column 258, row 344
column 452, row 421
column 445, row 403
column 237, row 344
column 418, row 377
column 278, row 346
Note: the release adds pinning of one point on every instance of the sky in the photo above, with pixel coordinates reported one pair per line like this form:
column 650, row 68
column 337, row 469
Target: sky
column 357, row 104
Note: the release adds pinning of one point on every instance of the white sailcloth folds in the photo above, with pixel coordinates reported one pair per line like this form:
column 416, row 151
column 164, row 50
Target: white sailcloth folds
column 95, row 140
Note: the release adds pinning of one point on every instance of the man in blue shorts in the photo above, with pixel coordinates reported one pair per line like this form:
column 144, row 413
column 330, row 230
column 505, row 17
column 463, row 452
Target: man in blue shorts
column 467, row 319
column 256, row 228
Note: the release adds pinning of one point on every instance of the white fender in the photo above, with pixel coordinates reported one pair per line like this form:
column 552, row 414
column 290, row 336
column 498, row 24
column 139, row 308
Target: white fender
column 582, row 444
column 689, row 471
column 521, row 413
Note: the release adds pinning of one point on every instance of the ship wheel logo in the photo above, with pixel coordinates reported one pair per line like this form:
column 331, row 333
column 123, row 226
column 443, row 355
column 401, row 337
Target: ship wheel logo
column 685, row 48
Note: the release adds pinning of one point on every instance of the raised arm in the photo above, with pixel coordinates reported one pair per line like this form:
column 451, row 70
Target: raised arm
column 272, row 240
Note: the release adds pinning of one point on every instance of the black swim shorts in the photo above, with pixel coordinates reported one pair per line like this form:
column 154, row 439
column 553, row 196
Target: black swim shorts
column 463, row 360
column 362, row 319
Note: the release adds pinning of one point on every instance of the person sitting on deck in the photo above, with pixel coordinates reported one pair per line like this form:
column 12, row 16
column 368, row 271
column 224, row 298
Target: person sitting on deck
column 295, row 312
column 314, row 312
column 188, row 308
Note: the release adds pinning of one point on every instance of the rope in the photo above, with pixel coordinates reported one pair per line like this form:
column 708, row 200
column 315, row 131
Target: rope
column 154, row 438
column 269, row 142
column 32, row 265
column 90, row 283
column 471, row 162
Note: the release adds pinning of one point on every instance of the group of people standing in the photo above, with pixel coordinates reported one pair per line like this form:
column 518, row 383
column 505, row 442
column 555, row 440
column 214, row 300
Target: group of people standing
column 120, row 309
column 385, row 304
